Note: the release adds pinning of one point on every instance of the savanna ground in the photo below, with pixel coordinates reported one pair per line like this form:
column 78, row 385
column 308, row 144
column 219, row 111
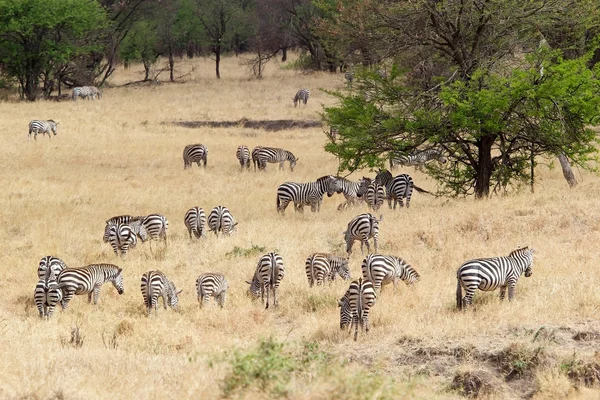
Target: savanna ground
column 122, row 155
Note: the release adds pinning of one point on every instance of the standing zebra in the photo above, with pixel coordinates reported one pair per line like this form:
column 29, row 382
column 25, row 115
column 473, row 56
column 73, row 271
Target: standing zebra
column 354, row 191
column 267, row 277
column 38, row 126
column 81, row 91
column 397, row 188
column 375, row 196
column 306, row 193
column 155, row 284
column 301, row 95
column 46, row 295
column 212, row 285
column 88, row 280
column 195, row 221
column 356, row 305
column 324, row 266
column 95, row 92
column 133, row 223
column 156, row 226
column 363, row 227
column 243, row 156
column 349, row 76
column 255, row 159
column 121, row 238
column 417, row 159
column 381, row 270
column 194, row 153
column 266, row 155
column 221, row 220
column 488, row 274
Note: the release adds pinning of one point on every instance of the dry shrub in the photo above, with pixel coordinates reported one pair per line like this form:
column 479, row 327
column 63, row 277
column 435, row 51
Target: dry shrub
column 583, row 372
column 474, row 384
column 125, row 328
column 518, row 360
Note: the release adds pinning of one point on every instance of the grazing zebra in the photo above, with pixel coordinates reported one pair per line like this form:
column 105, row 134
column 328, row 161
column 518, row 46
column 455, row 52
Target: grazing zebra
column 301, row 95
column 255, row 159
column 417, row 159
column 81, row 91
column 243, row 155
column 46, row 296
column 491, row 273
column 356, row 305
column 397, row 188
column 121, row 238
column 156, row 226
column 354, row 191
column 95, row 92
column 381, row 270
column 221, row 220
column 155, row 284
column 375, row 196
column 267, row 277
column 88, row 280
column 323, row 266
column 195, row 221
column 306, row 193
column 349, row 76
column 194, row 153
column 266, row 155
column 212, row 284
column 37, row 126
column 363, row 227
column 122, row 219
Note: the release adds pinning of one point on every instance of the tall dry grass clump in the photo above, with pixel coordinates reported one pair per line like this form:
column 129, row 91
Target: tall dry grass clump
column 123, row 155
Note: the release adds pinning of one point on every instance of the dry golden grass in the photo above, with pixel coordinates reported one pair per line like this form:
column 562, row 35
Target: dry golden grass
column 121, row 155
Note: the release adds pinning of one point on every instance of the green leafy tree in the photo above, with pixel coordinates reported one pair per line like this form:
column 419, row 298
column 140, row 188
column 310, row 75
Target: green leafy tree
column 141, row 44
column 35, row 35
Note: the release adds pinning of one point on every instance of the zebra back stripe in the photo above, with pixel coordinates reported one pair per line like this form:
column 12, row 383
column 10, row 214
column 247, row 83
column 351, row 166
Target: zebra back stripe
column 212, row 284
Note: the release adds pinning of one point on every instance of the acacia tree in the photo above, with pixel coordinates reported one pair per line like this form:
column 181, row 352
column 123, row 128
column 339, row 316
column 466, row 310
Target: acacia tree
column 36, row 35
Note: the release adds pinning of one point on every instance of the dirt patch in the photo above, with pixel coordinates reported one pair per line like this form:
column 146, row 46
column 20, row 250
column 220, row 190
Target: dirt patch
column 473, row 384
column 586, row 336
column 267, row 125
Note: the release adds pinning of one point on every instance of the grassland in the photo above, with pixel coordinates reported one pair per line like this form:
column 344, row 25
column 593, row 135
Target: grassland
column 122, row 155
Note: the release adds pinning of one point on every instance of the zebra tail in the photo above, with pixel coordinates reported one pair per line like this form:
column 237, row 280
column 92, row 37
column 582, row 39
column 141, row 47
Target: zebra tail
column 420, row 190
column 278, row 202
column 274, row 273
column 459, row 304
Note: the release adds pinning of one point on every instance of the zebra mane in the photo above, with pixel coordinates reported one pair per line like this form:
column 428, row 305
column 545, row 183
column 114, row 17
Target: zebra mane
column 520, row 251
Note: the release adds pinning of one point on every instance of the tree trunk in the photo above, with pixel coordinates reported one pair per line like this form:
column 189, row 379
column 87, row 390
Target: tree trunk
column 171, row 64
column 218, row 60
column 283, row 54
column 147, row 69
column 567, row 171
column 484, row 167
column 30, row 88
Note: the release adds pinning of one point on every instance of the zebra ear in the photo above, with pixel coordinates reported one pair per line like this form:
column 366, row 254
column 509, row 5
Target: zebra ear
column 249, row 283
column 234, row 224
column 532, row 251
column 120, row 270
column 179, row 291
column 340, row 303
column 343, row 233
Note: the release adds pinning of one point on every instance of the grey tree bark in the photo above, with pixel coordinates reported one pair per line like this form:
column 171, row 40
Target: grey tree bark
column 567, row 171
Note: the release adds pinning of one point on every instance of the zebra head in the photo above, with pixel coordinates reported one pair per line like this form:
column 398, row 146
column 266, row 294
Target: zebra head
column 525, row 257
column 293, row 161
column 254, row 289
column 117, row 281
column 172, row 295
column 383, row 177
column 363, row 185
column 53, row 126
column 344, row 269
column 348, row 238
column 345, row 312
column 334, row 185
column 410, row 276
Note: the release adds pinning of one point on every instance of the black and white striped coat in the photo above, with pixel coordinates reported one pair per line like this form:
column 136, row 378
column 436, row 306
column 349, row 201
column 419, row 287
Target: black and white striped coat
column 155, row 284
column 382, row 270
column 155, row 225
column 121, row 238
column 397, row 188
column 320, row 267
column 44, row 127
column 363, row 227
column 195, row 222
column 195, row 153
column 417, row 159
column 221, row 220
column 356, row 305
column 211, row 284
column 302, row 95
column 46, row 295
column 255, row 160
column 86, row 92
column 243, row 155
column 88, row 280
column 492, row 273
column 354, row 191
column 133, row 222
column 375, row 196
column 273, row 155
column 306, row 193
column 267, row 277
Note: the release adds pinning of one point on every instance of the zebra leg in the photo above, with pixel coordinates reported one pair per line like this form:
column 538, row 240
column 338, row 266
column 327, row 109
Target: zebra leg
column 268, row 294
column 365, row 241
column 511, row 291
column 275, row 304
column 281, row 165
column 221, row 299
column 90, row 297
column 375, row 239
column 502, row 292
column 164, row 297
column 469, row 293
column 67, row 296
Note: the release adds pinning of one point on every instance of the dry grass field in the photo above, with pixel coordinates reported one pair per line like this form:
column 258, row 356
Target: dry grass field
column 123, row 155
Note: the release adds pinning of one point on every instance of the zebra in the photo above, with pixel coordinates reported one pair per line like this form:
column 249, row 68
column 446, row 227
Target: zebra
column 266, row 155
column 155, row 284
column 221, row 220
column 255, row 160
column 324, row 266
column 301, row 95
column 44, row 127
column 88, row 280
column 212, row 284
column 417, row 159
column 243, row 155
column 375, row 195
column 84, row 92
column 45, row 295
column 354, row 191
column 123, row 219
column 306, row 193
column 121, row 237
column 95, row 92
column 195, row 221
column 397, row 188
column 267, row 277
column 381, row 270
column 194, row 153
column 156, row 226
column 362, row 227
column 349, row 76
column 488, row 274
column 356, row 305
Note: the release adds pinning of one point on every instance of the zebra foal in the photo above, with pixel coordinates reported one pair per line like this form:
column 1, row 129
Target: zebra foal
column 243, row 155
column 88, row 280
column 212, row 284
column 382, row 270
column 489, row 274
column 356, row 305
column 46, row 295
column 195, row 221
column 363, row 227
column 42, row 127
column 267, row 277
column 195, row 153
column 273, row 155
column 302, row 95
column 320, row 267
column 155, row 284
